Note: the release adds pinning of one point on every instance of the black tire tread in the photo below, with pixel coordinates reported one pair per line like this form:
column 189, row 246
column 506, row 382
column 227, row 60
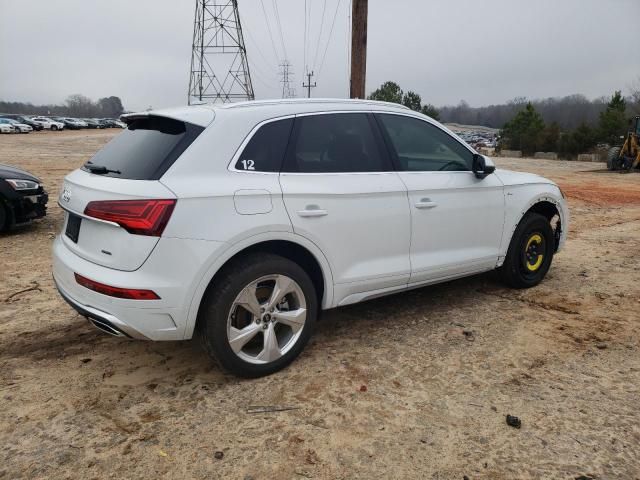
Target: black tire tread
column 612, row 156
column 509, row 271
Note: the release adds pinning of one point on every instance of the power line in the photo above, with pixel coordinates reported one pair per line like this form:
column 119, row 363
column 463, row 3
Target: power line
column 348, row 45
column 275, row 8
column 304, row 63
column 315, row 57
column 266, row 19
column 333, row 24
column 258, row 49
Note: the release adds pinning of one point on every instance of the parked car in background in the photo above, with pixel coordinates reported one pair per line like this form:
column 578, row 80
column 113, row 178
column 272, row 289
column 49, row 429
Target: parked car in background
column 239, row 223
column 24, row 119
column 112, row 123
column 19, row 127
column 71, row 123
column 91, row 123
column 48, row 123
column 22, row 197
column 6, row 126
column 106, row 122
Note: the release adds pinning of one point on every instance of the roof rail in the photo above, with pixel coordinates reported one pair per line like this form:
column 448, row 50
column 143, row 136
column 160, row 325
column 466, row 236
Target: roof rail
column 253, row 103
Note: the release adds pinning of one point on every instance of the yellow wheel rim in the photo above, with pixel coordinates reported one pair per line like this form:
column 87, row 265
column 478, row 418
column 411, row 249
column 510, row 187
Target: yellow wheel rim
column 533, row 259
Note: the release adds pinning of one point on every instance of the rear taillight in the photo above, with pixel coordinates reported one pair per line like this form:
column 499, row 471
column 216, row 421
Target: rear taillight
column 128, row 293
column 142, row 217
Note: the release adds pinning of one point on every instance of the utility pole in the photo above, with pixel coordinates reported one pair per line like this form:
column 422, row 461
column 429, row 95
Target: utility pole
column 285, row 78
column 219, row 67
column 309, row 85
column 358, row 47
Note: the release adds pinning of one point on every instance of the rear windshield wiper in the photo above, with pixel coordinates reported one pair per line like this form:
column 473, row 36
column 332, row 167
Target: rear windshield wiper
column 99, row 169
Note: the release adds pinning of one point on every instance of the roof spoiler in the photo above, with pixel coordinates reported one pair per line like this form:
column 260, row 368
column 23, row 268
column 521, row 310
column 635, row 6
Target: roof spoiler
column 130, row 117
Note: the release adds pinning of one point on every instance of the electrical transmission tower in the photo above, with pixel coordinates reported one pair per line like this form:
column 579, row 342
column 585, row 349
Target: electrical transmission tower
column 286, row 78
column 219, row 67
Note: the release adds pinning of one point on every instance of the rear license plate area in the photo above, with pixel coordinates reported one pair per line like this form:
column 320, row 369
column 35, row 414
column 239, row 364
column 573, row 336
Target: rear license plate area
column 73, row 227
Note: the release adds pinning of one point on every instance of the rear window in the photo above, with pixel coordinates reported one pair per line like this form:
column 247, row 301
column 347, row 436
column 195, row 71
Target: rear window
column 146, row 149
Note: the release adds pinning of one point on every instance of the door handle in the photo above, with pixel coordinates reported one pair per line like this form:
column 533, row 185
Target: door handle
column 425, row 203
column 312, row 211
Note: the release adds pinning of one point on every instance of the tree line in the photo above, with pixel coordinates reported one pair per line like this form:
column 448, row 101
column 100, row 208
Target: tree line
column 74, row 106
column 391, row 92
column 528, row 132
column 567, row 125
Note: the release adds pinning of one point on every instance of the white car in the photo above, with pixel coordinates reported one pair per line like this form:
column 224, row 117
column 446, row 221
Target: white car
column 6, row 126
column 241, row 222
column 19, row 127
column 48, row 124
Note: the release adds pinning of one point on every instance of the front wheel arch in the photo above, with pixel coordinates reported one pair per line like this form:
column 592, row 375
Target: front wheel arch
column 547, row 206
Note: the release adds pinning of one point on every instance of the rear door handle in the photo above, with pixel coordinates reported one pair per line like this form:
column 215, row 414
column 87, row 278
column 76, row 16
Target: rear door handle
column 425, row 203
column 312, row 211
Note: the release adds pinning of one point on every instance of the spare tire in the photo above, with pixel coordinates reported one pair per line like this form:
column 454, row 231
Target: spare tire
column 613, row 158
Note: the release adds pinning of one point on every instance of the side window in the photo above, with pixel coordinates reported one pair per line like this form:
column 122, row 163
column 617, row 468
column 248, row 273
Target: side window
column 422, row 147
column 340, row 142
column 265, row 150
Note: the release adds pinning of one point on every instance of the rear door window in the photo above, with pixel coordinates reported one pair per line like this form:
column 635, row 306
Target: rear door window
column 266, row 149
column 147, row 148
column 340, row 142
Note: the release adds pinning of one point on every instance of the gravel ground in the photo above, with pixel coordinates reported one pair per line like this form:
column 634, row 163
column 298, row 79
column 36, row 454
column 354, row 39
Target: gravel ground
column 416, row 385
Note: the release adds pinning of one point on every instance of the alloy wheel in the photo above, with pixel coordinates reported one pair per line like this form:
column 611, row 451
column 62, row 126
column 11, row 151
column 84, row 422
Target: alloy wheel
column 266, row 319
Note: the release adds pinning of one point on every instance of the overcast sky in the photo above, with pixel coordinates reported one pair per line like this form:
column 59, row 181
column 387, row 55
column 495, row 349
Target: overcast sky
column 481, row 51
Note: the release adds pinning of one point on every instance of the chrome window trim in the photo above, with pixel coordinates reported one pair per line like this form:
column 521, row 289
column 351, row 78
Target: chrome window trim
column 410, row 113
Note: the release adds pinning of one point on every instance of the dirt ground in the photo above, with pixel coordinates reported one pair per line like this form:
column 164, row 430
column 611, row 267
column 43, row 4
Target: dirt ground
column 415, row 385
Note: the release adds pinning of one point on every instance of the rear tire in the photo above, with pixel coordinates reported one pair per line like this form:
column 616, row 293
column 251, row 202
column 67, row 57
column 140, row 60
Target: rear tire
column 229, row 311
column 530, row 252
column 613, row 158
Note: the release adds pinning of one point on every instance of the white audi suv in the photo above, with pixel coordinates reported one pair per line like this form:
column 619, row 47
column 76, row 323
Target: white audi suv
column 240, row 223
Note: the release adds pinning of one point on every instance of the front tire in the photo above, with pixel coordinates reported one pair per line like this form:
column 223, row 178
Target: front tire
column 613, row 158
column 530, row 252
column 54, row 127
column 258, row 315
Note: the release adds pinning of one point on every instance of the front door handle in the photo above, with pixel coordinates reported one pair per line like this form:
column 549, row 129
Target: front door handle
column 426, row 203
column 312, row 211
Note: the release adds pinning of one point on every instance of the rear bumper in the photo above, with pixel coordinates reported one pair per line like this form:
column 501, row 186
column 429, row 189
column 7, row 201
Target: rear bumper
column 102, row 320
column 172, row 270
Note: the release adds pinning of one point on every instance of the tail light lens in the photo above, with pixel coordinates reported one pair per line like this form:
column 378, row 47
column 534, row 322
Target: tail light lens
column 141, row 217
column 128, row 293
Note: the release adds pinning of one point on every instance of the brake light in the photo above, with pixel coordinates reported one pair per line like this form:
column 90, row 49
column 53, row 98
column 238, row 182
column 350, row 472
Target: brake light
column 128, row 293
column 141, row 217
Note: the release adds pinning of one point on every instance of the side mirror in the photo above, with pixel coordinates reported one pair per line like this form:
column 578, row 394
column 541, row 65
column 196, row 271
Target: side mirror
column 482, row 166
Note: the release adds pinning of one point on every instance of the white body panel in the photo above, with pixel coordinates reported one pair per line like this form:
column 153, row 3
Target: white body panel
column 373, row 239
column 359, row 221
column 457, row 222
column 103, row 242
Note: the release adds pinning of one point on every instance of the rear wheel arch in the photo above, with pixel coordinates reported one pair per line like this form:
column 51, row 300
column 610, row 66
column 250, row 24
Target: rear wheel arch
column 309, row 257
